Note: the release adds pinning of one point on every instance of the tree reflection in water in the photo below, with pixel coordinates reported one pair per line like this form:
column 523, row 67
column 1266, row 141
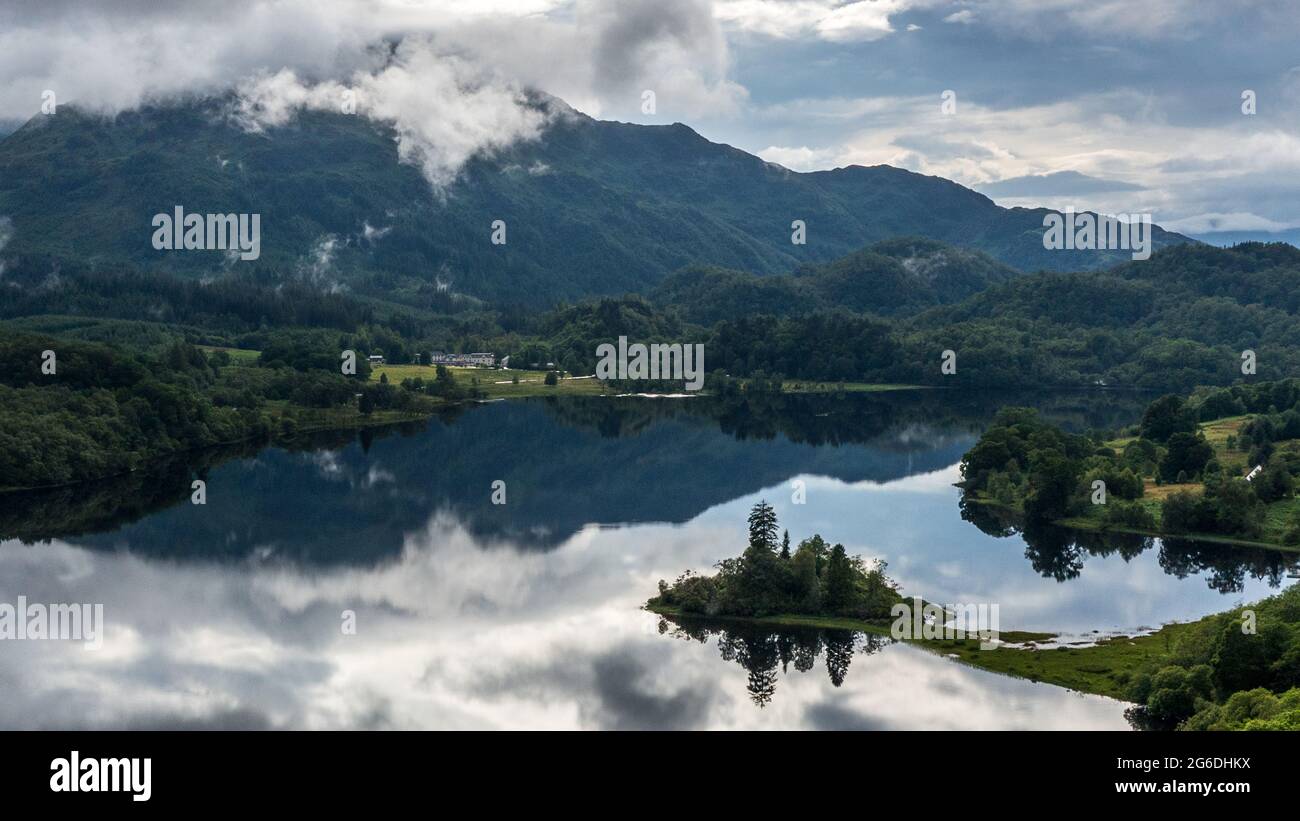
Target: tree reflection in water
column 764, row 650
column 1059, row 553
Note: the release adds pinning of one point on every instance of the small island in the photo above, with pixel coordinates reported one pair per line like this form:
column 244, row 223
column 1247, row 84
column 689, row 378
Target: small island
column 816, row 584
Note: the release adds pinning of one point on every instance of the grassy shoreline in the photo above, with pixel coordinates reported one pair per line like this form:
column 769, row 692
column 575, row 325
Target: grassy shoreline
column 499, row 384
column 329, row 419
column 849, row 387
column 493, row 384
column 1101, row 669
column 1096, row 526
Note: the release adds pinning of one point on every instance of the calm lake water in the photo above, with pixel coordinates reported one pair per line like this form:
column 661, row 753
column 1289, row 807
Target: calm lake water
column 527, row 614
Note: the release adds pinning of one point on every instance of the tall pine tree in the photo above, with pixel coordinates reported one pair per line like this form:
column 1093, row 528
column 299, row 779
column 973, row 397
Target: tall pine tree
column 762, row 527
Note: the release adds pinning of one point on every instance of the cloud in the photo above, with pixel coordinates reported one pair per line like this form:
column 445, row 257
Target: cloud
column 1116, row 151
column 1153, row 20
column 443, row 108
column 832, row 20
column 659, row 45
column 317, row 267
column 473, row 56
column 871, row 20
column 373, row 234
column 110, row 57
column 1163, row 115
column 801, row 158
column 6, row 234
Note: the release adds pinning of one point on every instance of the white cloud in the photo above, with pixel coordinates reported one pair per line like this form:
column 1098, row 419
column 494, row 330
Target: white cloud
column 832, row 20
column 444, row 109
column 318, row 264
column 1150, row 20
column 596, row 54
column 801, row 158
column 867, row 20
column 1172, row 170
column 373, row 234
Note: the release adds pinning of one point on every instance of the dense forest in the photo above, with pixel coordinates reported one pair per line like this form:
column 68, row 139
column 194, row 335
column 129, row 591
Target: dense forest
column 74, row 410
column 1222, row 462
column 1238, row 670
column 893, row 277
column 885, row 314
column 1171, row 323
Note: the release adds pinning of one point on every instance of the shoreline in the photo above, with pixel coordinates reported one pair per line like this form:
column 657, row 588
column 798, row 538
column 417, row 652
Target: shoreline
column 1078, row 523
column 498, row 391
column 1101, row 669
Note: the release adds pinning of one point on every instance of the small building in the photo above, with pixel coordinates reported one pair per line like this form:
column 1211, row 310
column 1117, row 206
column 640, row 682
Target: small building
column 463, row 360
column 376, row 359
column 1258, row 469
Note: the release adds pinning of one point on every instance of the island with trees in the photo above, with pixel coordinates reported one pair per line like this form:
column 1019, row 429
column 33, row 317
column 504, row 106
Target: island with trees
column 815, row 583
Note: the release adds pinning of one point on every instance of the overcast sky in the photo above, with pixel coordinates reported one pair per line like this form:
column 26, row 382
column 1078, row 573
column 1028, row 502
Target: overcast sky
column 1112, row 105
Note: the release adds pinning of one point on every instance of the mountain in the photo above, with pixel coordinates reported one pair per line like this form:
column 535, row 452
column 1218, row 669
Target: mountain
column 591, row 207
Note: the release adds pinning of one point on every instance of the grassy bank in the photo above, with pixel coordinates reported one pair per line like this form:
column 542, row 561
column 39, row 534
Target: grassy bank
column 501, row 384
column 1102, row 669
column 1095, row 524
column 799, row 386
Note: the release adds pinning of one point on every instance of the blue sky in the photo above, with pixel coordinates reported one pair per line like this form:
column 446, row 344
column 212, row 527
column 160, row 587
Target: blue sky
column 1122, row 107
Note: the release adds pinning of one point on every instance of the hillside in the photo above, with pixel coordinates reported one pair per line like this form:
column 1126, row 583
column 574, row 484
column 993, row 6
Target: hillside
column 890, row 278
column 1180, row 319
column 591, row 207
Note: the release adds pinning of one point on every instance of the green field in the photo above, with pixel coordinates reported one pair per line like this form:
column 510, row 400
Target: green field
column 497, row 384
column 238, row 356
